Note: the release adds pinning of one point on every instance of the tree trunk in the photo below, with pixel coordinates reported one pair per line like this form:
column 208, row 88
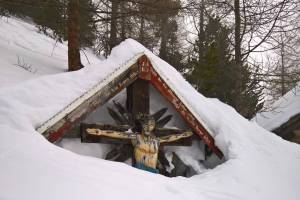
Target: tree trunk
column 282, row 71
column 201, row 34
column 123, row 21
column 142, row 31
column 74, row 62
column 113, row 24
column 237, row 33
column 238, row 60
column 164, row 36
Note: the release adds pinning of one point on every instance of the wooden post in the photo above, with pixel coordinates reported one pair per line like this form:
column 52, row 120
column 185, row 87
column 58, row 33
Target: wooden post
column 138, row 97
column 138, row 100
column 138, row 92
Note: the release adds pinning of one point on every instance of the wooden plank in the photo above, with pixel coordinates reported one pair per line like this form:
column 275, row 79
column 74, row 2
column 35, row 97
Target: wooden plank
column 180, row 142
column 56, row 131
column 144, row 68
column 138, row 97
column 169, row 94
column 87, row 138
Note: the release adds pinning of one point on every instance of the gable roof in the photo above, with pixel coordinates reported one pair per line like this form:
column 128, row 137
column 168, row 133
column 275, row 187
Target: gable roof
column 139, row 66
column 281, row 111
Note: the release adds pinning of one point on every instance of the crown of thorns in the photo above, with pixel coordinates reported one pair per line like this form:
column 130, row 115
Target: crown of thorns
column 142, row 118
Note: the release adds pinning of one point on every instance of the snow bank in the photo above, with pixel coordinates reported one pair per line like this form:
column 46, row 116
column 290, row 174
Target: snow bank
column 22, row 45
column 259, row 164
column 281, row 110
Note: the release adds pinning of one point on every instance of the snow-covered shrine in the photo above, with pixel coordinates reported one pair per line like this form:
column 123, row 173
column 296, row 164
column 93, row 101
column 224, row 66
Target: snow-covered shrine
column 136, row 76
column 140, row 68
column 257, row 164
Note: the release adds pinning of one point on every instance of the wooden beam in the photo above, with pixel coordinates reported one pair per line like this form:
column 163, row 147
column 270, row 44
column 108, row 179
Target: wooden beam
column 88, row 138
column 138, row 93
column 138, row 97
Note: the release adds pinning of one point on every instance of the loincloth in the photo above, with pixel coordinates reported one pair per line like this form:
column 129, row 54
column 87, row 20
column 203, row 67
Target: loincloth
column 146, row 168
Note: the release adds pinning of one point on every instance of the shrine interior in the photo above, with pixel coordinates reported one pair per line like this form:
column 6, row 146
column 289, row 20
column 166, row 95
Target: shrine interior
column 177, row 160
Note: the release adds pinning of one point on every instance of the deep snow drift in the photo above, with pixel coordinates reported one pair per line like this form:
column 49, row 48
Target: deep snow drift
column 259, row 164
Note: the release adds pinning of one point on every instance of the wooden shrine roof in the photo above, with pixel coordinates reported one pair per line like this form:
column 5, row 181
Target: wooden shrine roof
column 138, row 67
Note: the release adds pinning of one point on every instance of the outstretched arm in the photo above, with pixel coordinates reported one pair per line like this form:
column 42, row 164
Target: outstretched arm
column 109, row 133
column 174, row 137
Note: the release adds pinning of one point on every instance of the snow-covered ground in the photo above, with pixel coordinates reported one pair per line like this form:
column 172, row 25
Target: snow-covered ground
column 281, row 110
column 259, row 165
column 22, row 46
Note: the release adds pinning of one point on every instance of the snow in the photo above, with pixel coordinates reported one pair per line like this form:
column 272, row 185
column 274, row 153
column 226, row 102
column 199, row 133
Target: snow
column 88, row 149
column 190, row 155
column 21, row 44
column 259, row 165
column 280, row 111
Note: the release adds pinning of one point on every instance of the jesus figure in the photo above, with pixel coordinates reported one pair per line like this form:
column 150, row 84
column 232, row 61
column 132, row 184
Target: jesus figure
column 146, row 144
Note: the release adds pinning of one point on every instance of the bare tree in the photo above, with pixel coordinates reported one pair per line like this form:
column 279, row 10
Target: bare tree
column 284, row 73
column 256, row 22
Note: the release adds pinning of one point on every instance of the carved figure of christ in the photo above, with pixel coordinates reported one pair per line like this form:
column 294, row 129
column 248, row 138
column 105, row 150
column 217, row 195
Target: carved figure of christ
column 146, row 144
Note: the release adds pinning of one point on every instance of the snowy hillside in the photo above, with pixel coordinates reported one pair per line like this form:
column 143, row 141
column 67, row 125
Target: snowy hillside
column 22, row 46
column 259, row 165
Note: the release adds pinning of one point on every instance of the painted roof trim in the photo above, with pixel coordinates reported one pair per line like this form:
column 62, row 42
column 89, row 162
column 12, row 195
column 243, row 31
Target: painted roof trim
column 66, row 110
column 182, row 99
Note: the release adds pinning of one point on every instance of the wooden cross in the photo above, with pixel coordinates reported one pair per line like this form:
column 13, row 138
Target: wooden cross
column 140, row 139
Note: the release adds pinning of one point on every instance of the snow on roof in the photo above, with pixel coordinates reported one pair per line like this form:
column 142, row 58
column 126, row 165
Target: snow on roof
column 163, row 74
column 259, row 165
column 280, row 111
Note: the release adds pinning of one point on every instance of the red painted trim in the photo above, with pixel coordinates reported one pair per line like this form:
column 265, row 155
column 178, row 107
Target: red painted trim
column 168, row 93
column 55, row 136
column 144, row 68
column 69, row 122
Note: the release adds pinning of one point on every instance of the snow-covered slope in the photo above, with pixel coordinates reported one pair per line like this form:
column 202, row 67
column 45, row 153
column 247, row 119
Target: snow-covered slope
column 281, row 110
column 22, row 45
column 259, row 164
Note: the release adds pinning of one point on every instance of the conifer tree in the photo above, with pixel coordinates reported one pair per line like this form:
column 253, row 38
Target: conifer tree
column 213, row 69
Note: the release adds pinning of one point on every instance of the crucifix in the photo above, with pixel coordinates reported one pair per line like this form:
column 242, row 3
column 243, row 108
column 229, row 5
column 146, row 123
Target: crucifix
column 146, row 144
column 140, row 134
